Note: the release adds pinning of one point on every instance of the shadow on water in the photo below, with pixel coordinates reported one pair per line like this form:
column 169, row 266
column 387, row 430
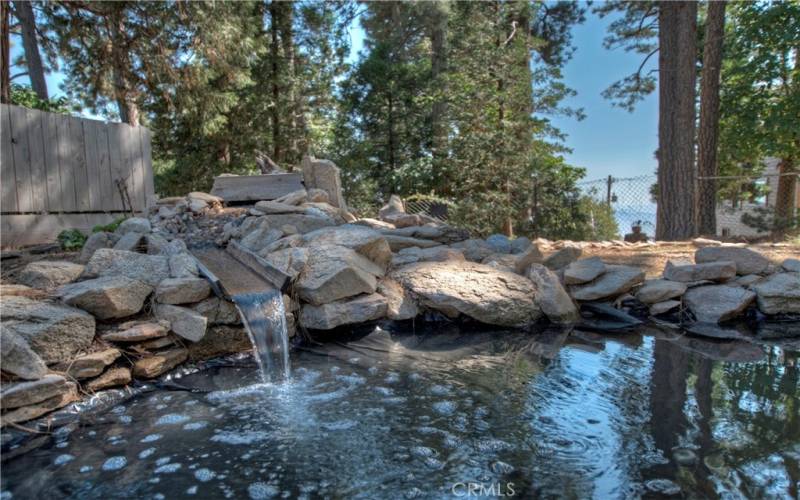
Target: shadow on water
column 427, row 412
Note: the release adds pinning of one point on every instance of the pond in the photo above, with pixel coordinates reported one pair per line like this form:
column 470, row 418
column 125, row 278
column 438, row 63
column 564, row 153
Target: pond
column 445, row 414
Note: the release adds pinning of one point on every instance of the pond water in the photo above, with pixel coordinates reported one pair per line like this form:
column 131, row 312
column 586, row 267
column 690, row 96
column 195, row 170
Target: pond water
column 445, row 414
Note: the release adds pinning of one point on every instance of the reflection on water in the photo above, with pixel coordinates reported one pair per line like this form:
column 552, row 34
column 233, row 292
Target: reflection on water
column 401, row 415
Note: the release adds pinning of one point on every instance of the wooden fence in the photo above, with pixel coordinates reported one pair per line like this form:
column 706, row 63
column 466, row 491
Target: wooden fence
column 60, row 172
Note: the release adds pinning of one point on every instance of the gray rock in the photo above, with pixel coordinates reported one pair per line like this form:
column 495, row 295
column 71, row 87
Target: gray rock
column 159, row 363
column 555, row 302
column 155, row 243
column 433, row 254
column 791, row 265
column 325, row 175
column 530, row 255
column 53, row 331
column 664, row 307
column 90, row 365
column 374, row 224
column 67, row 394
column 303, row 223
column 276, row 207
column 562, row 258
column 290, row 241
column 748, row 280
column 294, row 198
column 583, row 271
column 660, row 290
column 182, row 265
column 393, row 206
column 499, row 243
column 712, row 271
column 174, row 247
column 717, row 303
column 475, row 290
column 334, row 273
column 49, row 274
column 502, row 261
column 107, row 297
column 182, row 290
column 18, row 358
column 403, row 220
column 747, row 261
column 114, row 377
column 134, row 225
column 520, row 244
column 258, row 239
column 130, row 242
column 183, row 321
column 197, row 206
column 399, row 303
column 343, row 312
column 218, row 311
column 138, row 331
column 291, row 260
column 367, row 242
column 397, row 243
column 150, row 269
column 779, row 293
column 20, row 394
column 94, row 242
column 440, row 232
column 318, row 196
column 615, row 281
column 474, row 250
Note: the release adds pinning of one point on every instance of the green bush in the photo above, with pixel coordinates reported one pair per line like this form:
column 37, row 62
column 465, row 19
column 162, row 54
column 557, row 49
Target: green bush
column 71, row 240
column 108, row 228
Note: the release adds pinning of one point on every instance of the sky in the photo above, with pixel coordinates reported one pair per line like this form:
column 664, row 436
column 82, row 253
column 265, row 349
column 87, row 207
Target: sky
column 609, row 141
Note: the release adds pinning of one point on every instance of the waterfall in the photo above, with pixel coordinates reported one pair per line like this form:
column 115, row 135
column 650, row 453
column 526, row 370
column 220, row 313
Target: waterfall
column 264, row 317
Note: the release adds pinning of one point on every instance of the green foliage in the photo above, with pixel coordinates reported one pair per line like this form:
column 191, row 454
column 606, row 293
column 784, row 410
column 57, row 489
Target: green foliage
column 71, row 240
column 110, row 227
column 765, row 220
column 23, row 95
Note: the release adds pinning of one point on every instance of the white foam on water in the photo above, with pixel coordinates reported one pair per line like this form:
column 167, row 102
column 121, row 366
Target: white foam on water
column 192, row 490
column 63, row 459
column 384, row 391
column 440, row 390
column 204, row 475
column 86, row 468
column 261, row 491
column 340, row 425
column 444, row 407
column 172, row 418
column 150, row 438
column 163, row 460
column 146, row 453
column 115, row 463
column 168, row 468
column 193, row 426
column 392, row 378
column 125, row 419
column 395, row 401
column 246, row 437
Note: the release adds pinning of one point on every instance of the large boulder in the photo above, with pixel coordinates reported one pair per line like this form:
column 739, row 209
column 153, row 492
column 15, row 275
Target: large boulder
column 433, row 254
column 499, row 243
column 131, row 242
column 654, row 291
column 791, row 265
column 399, row 303
column 260, row 238
column 712, row 271
column 612, row 283
column 368, row 242
column 107, row 297
column 183, row 321
column 747, row 261
column 28, row 393
column 334, row 272
column 218, row 311
column 49, row 274
column 276, row 207
column 474, row 250
column 18, row 357
column 182, row 265
column 53, row 331
column 475, row 290
column 343, row 312
column 94, row 242
column 134, row 225
column 290, row 260
column 302, row 223
column 524, row 260
column 555, row 302
column 393, row 206
column 182, row 290
column 583, row 271
column 779, row 293
column 562, row 258
column 717, row 303
column 150, row 269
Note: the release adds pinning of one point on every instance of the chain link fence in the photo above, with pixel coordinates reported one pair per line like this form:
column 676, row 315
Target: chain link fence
column 747, row 207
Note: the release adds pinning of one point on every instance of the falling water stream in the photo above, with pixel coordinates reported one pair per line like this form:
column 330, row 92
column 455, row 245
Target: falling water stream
column 264, row 317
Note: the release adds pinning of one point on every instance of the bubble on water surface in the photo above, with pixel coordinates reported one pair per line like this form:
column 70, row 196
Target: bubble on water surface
column 86, row 468
column 384, row 391
column 351, row 379
column 260, row 491
column 663, row 487
column 339, row 426
column 150, row 438
column 204, row 475
column 423, row 451
column 146, row 453
column 168, row 468
column 192, row 490
column 193, row 426
column 163, row 460
column 63, row 459
column 398, row 400
column 444, row 407
column 246, row 437
column 115, row 463
column 439, row 390
column 172, row 418
column 500, row 467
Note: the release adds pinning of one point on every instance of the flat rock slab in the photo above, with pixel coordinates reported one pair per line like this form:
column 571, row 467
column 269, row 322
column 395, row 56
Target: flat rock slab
column 19, row 394
column 138, row 332
column 334, row 272
column 654, row 291
column 107, row 297
column 583, row 271
column 791, row 265
column 90, row 365
column 712, row 271
column 717, row 303
column 182, row 290
column 365, row 241
column 159, row 363
column 18, row 358
column 150, row 269
column 343, row 312
column 55, row 332
column 276, row 207
column 113, row 377
column 615, row 281
column 747, row 261
column 49, row 274
column 664, row 307
column 563, row 257
column 475, row 290
column 779, row 293
column 184, row 322
column 67, row 394
column 397, row 243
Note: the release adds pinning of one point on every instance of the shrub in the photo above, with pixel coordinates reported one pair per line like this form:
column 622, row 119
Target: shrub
column 71, row 240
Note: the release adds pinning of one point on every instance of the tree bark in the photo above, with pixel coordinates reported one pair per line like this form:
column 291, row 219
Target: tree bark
column 708, row 135
column 785, row 202
column 289, row 82
column 123, row 91
column 277, row 138
column 5, row 54
column 30, row 43
column 675, row 214
column 438, row 36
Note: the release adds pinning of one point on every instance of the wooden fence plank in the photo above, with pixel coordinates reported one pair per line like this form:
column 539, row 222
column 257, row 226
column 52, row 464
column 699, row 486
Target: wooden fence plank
column 78, row 150
column 134, row 177
column 65, row 162
column 107, row 191
column 55, row 198
column 90, row 133
column 116, row 159
column 147, row 152
column 38, row 171
column 8, row 178
column 22, row 158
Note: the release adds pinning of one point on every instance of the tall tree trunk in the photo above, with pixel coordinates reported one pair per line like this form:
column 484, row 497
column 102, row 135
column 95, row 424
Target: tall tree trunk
column 289, row 82
column 274, row 49
column 5, row 54
column 123, row 91
column 785, row 202
column 677, row 30
column 708, row 134
column 27, row 20
column 438, row 36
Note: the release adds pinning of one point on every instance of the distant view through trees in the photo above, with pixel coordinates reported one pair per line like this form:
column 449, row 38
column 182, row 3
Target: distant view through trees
column 449, row 100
